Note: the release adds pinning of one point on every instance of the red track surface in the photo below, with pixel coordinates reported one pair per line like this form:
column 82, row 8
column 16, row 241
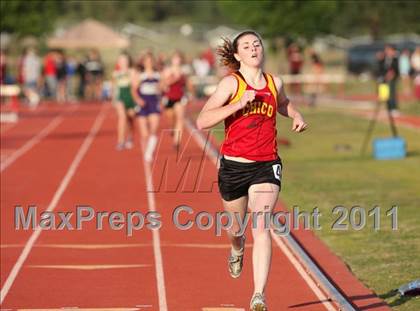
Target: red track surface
column 107, row 269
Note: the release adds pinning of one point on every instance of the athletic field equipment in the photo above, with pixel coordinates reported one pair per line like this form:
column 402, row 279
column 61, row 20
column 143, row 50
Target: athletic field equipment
column 410, row 289
column 10, row 102
column 389, row 148
column 384, row 148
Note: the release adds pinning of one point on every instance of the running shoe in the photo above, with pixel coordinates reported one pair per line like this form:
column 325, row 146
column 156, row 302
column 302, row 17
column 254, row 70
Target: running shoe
column 119, row 147
column 235, row 260
column 258, row 303
column 128, row 144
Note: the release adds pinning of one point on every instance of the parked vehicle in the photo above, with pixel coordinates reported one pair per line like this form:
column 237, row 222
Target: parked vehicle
column 361, row 58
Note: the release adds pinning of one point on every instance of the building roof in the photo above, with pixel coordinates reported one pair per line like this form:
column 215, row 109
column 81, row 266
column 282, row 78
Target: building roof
column 89, row 34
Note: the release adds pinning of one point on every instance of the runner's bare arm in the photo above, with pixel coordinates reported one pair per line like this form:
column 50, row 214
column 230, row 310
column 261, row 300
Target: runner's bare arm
column 164, row 80
column 161, row 84
column 169, row 76
column 135, row 80
column 190, row 88
column 113, row 87
column 214, row 111
column 287, row 109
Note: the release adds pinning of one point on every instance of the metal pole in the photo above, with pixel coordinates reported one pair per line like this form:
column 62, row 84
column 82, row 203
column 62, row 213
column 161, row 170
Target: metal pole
column 370, row 128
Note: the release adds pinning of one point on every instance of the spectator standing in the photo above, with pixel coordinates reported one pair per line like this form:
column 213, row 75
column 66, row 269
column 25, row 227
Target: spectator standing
column 208, row 55
column 391, row 72
column 20, row 79
column 50, row 74
column 404, row 68
column 317, row 69
column 380, row 67
column 415, row 60
column 71, row 70
column 61, row 77
column 415, row 64
column 31, row 72
column 295, row 59
column 81, row 72
column 94, row 74
column 3, row 67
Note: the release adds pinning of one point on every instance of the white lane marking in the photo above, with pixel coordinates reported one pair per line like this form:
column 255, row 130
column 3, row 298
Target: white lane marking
column 8, row 127
column 81, row 246
column 33, row 141
column 89, row 267
column 131, row 245
column 298, row 266
column 156, row 238
column 222, row 309
column 79, row 309
column 57, row 196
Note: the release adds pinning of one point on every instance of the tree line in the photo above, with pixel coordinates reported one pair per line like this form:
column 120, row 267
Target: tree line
column 273, row 18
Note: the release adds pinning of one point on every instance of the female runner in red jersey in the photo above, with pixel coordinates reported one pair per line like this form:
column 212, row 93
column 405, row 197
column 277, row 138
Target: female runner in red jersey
column 176, row 83
column 250, row 169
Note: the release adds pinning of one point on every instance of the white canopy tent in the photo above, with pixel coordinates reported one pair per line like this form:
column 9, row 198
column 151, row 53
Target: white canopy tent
column 89, row 34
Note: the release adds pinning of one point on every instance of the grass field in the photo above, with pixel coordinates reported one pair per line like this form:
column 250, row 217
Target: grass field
column 323, row 168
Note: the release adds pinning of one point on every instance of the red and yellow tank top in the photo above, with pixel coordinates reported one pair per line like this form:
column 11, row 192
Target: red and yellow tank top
column 251, row 132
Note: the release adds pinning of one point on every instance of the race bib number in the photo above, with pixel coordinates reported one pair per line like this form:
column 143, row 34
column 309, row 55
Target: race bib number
column 277, row 171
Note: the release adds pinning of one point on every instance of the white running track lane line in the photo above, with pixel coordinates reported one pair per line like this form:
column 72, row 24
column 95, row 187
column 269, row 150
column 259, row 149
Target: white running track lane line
column 89, row 267
column 130, row 245
column 57, row 196
column 213, row 157
column 12, row 125
column 298, row 266
column 33, row 141
column 156, row 237
column 80, row 309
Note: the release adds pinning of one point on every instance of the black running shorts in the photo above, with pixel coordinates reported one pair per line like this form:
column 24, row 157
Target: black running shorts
column 235, row 178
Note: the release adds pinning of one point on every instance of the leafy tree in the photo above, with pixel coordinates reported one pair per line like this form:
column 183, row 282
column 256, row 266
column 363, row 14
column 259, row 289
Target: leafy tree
column 24, row 17
column 293, row 18
column 273, row 18
column 283, row 18
column 376, row 18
